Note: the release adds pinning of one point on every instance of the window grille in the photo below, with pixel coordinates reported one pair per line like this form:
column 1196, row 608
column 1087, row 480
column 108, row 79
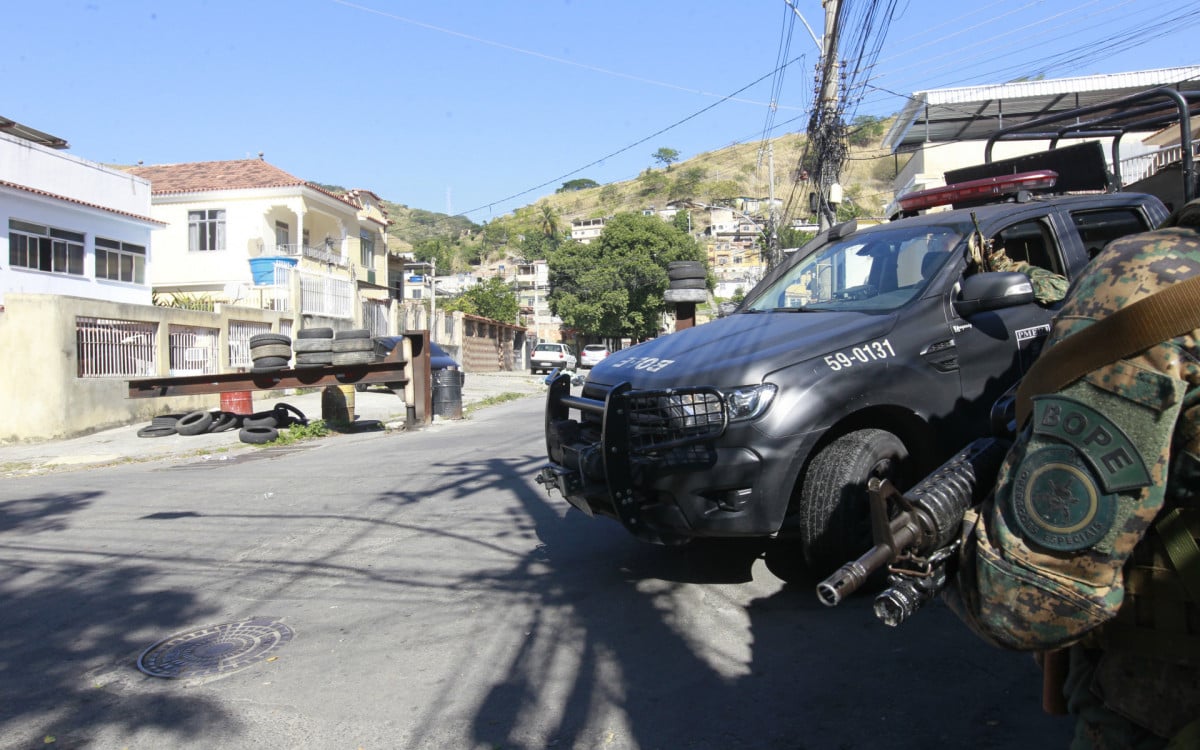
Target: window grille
column 115, row 348
column 324, row 295
column 240, row 332
column 375, row 316
column 194, row 350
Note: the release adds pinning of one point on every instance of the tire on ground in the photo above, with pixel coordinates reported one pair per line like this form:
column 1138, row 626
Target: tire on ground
column 194, row 423
column 224, row 421
column 261, row 419
column 835, row 523
column 258, row 435
column 154, row 431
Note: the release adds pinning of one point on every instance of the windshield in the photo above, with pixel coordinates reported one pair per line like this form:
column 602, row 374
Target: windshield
column 867, row 271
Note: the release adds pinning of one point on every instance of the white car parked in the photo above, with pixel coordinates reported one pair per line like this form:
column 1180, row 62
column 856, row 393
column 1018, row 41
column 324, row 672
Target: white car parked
column 546, row 357
column 592, row 354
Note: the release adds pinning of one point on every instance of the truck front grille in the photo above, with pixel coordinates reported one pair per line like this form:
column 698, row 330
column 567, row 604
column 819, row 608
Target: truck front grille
column 659, row 420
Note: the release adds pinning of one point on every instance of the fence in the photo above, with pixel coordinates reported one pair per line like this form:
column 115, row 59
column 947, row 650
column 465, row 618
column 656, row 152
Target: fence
column 322, row 295
column 115, row 348
column 240, row 332
column 194, row 350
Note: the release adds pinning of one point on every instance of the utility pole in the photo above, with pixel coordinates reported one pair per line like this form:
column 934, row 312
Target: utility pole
column 829, row 160
column 772, row 226
column 432, row 296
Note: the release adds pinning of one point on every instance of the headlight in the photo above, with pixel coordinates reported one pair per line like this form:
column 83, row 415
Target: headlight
column 749, row 402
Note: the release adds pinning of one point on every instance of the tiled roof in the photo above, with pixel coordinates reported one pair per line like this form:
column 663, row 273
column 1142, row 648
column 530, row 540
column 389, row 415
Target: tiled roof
column 56, row 196
column 199, row 176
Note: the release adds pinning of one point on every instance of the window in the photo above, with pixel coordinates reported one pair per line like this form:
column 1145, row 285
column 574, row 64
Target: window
column 44, row 249
column 283, row 237
column 1100, row 227
column 1033, row 242
column 367, row 247
column 206, row 230
column 120, row 261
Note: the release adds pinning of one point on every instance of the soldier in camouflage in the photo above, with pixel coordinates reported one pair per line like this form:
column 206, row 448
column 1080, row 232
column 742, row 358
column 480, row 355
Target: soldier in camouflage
column 1048, row 287
column 1088, row 541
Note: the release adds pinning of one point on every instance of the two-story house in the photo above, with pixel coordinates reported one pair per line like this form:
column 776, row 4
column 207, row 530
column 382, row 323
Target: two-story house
column 72, row 227
column 235, row 231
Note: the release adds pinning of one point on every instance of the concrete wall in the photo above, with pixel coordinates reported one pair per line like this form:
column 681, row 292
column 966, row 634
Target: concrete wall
column 41, row 396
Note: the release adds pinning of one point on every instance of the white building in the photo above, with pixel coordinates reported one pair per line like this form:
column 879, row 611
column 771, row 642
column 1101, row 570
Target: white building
column 73, row 227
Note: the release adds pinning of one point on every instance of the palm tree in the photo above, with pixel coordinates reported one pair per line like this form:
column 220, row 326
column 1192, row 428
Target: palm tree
column 549, row 221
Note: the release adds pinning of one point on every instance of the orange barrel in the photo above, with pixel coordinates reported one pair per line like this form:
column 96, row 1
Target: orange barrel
column 237, row 402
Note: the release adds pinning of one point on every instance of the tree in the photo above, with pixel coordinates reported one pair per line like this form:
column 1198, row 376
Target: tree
column 493, row 299
column 682, row 220
column 580, row 184
column 866, row 130
column 613, row 287
column 666, row 156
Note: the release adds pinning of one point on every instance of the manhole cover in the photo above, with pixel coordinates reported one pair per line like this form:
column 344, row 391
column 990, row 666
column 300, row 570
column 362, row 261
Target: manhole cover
column 216, row 649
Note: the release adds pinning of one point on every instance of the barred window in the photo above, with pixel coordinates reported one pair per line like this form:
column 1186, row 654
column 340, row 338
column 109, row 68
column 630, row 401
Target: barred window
column 120, row 261
column 44, row 249
column 206, row 230
column 115, row 348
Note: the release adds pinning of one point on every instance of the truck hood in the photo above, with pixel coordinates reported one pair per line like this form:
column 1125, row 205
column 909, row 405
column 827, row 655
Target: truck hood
column 741, row 349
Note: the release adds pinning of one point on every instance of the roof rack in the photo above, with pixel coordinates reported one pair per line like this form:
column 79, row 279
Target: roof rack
column 1145, row 112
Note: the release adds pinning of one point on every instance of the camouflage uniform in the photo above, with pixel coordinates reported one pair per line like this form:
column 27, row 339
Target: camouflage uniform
column 1048, row 287
column 1068, row 551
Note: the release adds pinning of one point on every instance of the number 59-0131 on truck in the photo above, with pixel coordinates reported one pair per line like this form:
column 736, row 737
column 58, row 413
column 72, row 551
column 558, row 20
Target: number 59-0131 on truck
column 868, row 353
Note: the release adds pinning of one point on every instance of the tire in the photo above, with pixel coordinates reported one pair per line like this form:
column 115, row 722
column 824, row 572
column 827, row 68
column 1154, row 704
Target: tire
column 835, row 521
column 286, row 414
column 352, row 345
column 351, row 358
column 353, row 333
column 258, row 435
column 194, row 423
column 271, row 350
column 686, row 269
column 224, row 421
column 311, row 359
column 154, row 431
column 315, row 333
column 259, row 339
column 689, row 284
column 261, row 419
column 304, row 346
column 165, row 420
column 267, row 364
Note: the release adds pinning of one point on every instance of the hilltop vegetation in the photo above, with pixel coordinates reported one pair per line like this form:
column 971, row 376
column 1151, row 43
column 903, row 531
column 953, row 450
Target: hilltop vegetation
column 712, row 178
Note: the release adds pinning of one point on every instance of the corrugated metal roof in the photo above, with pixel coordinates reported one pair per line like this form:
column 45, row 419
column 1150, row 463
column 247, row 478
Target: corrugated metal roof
column 12, row 127
column 975, row 112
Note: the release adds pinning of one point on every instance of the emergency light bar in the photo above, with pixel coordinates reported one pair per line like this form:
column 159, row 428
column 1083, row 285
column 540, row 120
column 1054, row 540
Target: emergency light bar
column 978, row 190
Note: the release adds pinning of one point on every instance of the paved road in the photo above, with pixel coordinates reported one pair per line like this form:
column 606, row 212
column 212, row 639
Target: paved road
column 435, row 597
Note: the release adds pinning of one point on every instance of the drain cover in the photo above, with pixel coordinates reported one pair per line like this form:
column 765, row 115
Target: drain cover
column 216, row 649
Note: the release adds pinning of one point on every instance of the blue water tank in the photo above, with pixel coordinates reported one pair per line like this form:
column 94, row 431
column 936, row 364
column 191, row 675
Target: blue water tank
column 263, row 269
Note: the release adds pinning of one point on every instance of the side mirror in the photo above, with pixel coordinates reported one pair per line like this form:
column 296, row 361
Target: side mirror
column 992, row 291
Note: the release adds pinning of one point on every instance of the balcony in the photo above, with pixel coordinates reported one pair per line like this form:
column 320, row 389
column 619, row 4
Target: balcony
column 327, row 253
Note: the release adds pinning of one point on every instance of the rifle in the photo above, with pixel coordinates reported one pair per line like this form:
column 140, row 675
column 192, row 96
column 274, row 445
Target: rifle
column 916, row 533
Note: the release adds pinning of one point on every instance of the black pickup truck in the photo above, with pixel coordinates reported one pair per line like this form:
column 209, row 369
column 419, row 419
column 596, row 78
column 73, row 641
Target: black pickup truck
column 868, row 352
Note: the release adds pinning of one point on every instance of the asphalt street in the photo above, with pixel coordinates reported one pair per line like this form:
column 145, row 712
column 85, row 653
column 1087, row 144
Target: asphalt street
column 418, row 590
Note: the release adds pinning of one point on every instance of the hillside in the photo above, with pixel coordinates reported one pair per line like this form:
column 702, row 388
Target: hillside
column 739, row 170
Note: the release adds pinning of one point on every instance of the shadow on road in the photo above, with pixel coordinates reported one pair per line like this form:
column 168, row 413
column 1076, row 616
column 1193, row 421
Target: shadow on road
column 70, row 630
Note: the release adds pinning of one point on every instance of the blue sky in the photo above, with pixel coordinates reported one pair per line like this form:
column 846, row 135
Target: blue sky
column 480, row 107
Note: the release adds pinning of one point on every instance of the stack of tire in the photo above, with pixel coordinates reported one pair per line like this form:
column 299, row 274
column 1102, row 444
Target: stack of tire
column 270, row 352
column 352, row 347
column 687, row 274
column 314, row 347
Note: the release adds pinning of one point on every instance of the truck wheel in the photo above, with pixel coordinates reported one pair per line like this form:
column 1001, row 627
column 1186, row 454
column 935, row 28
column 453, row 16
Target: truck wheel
column 835, row 520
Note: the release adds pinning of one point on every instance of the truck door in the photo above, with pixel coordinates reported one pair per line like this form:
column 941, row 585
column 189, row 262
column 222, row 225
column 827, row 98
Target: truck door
column 996, row 348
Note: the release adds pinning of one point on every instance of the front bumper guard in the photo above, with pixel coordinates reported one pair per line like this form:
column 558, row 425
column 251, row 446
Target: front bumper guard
column 637, row 429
